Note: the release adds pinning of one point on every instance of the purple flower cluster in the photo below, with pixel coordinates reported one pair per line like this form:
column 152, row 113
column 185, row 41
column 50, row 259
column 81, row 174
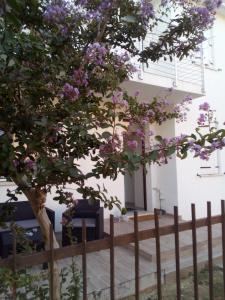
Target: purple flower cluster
column 80, row 77
column 56, row 13
column 97, row 13
column 140, row 133
column 212, row 5
column 70, row 92
column 182, row 108
column 203, row 16
column 96, row 54
column 205, row 152
column 202, row 119
column 204, row 106
column 27, row 163
column 117, row 98
column 112, row 145
column 147, row 10
column 132, row 144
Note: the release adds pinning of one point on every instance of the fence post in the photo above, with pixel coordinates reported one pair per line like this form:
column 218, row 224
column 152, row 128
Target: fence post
column 137, row 286
column 177, row 251
column 84, row 259
column 210, row 253
column 51, row 263
column 14, row 263
column 223, row 241
column 158, row 255
column 112, row 256
column 194, row 242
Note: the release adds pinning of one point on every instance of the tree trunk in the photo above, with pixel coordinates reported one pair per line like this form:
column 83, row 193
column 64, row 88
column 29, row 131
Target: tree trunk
column 37, row 200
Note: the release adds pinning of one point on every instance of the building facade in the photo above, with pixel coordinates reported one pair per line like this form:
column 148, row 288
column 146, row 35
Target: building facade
column 180, row 182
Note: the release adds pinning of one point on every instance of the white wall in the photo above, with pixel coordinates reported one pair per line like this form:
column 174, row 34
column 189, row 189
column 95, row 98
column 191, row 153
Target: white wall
column 191, row 188
column 163, row 178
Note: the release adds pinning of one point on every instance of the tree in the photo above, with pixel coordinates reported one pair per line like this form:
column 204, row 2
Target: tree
column 61, row 68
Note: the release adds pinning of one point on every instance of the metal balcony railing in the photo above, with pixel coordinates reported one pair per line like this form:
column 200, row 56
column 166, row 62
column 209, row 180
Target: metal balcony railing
column 189, row 70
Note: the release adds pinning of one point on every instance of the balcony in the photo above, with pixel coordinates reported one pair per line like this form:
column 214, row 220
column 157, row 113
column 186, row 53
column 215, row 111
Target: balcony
column 156, row 79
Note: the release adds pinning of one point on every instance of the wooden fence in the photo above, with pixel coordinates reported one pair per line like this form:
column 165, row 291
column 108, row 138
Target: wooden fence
column 19, row 261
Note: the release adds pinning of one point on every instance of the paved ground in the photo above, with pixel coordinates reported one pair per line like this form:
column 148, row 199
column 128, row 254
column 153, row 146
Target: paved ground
column 99, row 267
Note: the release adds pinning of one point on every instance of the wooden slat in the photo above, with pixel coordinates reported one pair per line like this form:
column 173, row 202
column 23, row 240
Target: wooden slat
column 112, row 259
column 84, row 259
column 30, row 260
column 51, row 264
column 223, row 241
column 158, row 255
column 137, row 286
column 210, row 253
column 177, row 251
column 14, row 293
column 194, row 247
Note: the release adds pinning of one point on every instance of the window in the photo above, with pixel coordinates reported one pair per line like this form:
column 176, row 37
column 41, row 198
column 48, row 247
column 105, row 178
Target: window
column 212, row 165
column 208, row 49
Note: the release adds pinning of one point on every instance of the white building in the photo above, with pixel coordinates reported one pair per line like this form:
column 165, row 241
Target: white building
column 180, row 182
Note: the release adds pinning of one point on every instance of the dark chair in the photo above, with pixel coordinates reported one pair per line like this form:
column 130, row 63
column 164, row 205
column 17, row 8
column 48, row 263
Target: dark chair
column 23, row 216
column 93, row 215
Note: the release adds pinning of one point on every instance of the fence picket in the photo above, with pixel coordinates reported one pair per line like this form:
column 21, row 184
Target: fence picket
column 210, row 252
column 194, row 247
column 136, row 230
column 158, row 255
column 177, row 251
column 112, row 262
column 84, row 259
column 223, row 241
column 51, row 263
column 14, row 292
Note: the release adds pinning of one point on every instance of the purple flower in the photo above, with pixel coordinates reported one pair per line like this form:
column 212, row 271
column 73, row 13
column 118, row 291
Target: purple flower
column 56, row 13
column 203, row 16
column 117, row 99
column 96, row 54
column 140, row 133
column 147, row 10
column 137, row 93
column 188, row 99
column 112, row 145
column 80, row 77
column 212, row 5
column 202, row 119
column 204, row 106
column 132, row 144
column 30, row 164
column 70, row 92
column 204, row 155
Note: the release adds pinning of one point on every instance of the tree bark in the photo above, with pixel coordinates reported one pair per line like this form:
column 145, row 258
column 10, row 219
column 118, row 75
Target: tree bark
column 37, row 200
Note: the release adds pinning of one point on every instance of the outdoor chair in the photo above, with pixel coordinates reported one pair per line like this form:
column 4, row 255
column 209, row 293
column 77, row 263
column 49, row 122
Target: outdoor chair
column 93, row 215
column 24, row 217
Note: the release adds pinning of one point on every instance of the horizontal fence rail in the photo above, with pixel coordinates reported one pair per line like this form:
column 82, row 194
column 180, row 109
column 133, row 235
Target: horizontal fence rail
column 19, row 261
column 30, row 260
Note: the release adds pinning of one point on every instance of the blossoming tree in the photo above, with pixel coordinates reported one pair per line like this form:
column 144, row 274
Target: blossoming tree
column 61, row 68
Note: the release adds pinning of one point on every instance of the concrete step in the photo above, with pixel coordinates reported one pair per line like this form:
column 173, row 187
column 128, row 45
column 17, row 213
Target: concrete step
column 143, row 216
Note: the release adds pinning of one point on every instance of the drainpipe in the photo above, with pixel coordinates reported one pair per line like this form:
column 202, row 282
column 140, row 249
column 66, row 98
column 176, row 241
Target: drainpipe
column 141, row 65
column 203, row 69
column 176, row 72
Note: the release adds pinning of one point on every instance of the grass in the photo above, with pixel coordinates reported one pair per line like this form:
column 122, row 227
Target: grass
column 187, row 289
